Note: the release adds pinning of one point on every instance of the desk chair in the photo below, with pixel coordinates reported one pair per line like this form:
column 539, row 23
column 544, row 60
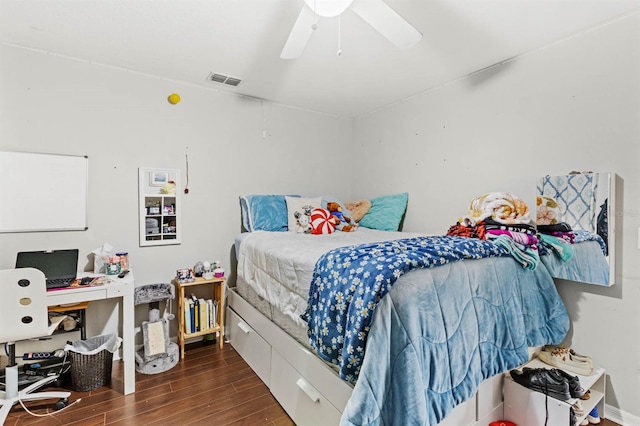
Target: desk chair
column 23, row 314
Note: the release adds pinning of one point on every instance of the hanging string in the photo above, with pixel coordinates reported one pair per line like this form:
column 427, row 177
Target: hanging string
column 186, row 156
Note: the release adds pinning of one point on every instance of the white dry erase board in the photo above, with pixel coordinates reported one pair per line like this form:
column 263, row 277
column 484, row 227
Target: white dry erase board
column 43, row 192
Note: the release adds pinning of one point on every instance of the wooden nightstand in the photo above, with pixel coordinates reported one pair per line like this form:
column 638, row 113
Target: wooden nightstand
column 213, row 324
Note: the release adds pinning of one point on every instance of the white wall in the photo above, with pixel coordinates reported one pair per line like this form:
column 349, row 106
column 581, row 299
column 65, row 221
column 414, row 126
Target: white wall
column 574, row 105
column 123, row 121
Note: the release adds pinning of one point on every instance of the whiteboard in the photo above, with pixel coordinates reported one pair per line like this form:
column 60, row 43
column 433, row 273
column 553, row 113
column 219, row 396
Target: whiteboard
column 43, row 192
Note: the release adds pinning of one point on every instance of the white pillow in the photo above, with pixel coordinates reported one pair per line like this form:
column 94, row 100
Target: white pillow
column 301, row 205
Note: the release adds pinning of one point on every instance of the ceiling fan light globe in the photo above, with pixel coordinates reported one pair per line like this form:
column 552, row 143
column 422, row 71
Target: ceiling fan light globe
column 328, row 8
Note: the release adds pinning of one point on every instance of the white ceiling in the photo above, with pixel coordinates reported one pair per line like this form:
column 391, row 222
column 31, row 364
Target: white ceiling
column 185, row 40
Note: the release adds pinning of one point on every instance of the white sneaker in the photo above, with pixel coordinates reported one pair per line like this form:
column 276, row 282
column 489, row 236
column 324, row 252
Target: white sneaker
column 578, row 409
column 563, row 358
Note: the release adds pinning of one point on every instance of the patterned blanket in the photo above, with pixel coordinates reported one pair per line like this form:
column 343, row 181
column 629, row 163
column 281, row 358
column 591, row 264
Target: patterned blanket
column 348, row 283
column 440, row 332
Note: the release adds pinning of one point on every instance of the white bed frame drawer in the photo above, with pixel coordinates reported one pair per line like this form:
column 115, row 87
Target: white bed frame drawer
column 304, row 403
column 253, row 348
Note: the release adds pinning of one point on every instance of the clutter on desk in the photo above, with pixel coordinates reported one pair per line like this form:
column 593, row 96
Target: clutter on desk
column 114, row 267
column 105, row 261
column 124, row 260
column 101, row 258
column 86, row 282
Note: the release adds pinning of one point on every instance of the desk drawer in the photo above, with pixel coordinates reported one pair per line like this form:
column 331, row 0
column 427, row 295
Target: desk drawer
column 298, row 397
column 251, row 347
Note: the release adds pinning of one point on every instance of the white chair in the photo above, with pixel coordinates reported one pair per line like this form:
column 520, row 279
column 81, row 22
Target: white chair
column 23, row 314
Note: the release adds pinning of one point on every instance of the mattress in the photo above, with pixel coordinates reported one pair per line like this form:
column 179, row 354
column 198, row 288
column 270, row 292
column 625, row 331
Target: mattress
column 281, row 276
column 276, row 282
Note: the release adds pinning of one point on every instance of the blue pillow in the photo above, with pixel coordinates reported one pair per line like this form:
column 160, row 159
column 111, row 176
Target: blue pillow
column 386, row 212
column 264, row 212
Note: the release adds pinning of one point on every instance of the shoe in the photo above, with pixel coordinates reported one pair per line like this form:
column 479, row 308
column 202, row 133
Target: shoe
column 586, row 395
column 573, row 421
column 563, row 359
column 585, row 422
column 577, row 408
column 575, row 389
column 593, row 416
column 573, row 353
column 540, row 380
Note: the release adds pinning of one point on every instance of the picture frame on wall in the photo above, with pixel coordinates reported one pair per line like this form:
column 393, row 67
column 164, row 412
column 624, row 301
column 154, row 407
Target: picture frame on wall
column 158, row 178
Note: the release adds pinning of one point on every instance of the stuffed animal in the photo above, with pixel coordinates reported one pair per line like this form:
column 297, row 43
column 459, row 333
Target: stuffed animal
column 303, row 220
column 343, row 222
column 358, row 209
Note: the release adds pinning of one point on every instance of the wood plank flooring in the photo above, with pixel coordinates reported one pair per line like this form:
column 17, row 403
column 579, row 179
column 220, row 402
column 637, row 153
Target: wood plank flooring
column 212, row 386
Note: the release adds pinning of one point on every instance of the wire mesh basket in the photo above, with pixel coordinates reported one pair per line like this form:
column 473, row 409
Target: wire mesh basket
column 90, row 372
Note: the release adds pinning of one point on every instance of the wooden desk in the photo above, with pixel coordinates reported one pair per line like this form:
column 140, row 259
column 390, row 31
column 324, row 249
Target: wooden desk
column 115, row 288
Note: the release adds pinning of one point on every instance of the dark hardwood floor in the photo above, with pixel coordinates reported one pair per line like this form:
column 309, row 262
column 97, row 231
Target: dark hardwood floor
column 210, row 387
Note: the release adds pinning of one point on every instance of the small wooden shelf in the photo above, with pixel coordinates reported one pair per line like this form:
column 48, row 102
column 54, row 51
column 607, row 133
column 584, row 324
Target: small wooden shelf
column 218, row 291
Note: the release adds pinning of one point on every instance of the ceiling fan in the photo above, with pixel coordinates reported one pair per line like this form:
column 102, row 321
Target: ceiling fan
column 375, row 12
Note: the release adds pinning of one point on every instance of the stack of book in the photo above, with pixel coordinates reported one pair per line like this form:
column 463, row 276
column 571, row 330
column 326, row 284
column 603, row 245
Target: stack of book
column 199, row 314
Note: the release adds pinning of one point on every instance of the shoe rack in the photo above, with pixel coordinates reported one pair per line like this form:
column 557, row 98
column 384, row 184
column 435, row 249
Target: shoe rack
column 527, row 407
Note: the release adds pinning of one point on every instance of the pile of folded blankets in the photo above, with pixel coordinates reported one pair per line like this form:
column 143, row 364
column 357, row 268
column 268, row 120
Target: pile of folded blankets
column 504, row 219
column 557, row 382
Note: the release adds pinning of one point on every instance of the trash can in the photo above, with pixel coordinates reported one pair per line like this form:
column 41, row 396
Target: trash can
column 91, row 361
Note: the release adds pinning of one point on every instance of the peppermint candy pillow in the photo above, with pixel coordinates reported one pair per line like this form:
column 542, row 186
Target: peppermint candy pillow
column 322, row 222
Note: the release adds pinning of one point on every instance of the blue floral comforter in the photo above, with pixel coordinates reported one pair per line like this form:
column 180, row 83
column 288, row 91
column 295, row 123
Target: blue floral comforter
column 438, row 333
column 348, row 283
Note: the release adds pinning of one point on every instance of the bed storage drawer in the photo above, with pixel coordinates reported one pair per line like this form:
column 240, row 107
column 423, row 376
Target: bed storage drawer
column 302, row 401
column 249, row 344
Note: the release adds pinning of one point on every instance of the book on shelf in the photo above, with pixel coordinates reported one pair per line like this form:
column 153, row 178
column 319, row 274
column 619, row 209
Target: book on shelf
column 196, row 313
column 204, row 314
column 214, row 313
column 192, row 317
column 200, row 314
column 188, row 315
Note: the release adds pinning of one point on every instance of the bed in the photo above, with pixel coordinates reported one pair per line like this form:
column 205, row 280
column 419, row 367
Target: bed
column 436, row 343
column 425, row 342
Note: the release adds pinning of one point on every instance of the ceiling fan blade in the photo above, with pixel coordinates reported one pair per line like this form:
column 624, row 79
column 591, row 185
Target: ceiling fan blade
column 300, row 34
column 387, row 22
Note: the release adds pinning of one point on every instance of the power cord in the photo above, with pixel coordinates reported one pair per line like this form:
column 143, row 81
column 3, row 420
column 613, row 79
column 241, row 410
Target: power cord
column 48, row 413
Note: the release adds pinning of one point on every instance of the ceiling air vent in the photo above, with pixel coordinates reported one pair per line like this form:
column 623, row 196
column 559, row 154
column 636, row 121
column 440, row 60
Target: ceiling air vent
column 223, row 79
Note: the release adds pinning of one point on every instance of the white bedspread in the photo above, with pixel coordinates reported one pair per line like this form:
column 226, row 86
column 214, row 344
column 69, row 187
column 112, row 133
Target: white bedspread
column 279, row 265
